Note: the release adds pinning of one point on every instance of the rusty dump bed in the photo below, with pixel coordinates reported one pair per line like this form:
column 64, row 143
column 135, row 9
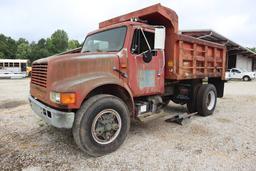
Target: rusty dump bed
column 186, row 57
column 194, row 58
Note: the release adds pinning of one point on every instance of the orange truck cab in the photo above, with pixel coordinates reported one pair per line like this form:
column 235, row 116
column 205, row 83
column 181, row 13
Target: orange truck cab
column 131, row 67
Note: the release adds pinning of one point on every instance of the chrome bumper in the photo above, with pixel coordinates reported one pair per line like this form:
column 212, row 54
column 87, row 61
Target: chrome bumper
column 53, row 117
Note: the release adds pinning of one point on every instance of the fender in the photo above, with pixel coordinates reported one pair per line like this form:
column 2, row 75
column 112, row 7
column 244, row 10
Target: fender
column 82, row 85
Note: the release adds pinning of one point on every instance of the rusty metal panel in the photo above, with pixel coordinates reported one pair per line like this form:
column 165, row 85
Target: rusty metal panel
column 195, row 58
column 155, row 15
column 146, row 78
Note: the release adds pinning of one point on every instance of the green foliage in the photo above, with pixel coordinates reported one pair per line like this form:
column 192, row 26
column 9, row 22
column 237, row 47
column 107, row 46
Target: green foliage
column 22, row 40
column 72, row 44
column 38, row 50
column 1, row 55
column 22, row 49
column 59, row 41
column 8, row 47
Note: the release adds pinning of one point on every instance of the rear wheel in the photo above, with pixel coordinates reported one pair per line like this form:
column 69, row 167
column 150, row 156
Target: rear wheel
column 206, row 99
column 166, row 101
column 246, row 78
column 191, row 106
column 101, row 125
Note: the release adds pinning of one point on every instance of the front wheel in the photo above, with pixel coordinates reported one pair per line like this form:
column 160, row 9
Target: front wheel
column 206, row 99
column 101, row 125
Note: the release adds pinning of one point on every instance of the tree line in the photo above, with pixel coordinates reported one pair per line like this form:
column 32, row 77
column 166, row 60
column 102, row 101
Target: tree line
column 23, row 49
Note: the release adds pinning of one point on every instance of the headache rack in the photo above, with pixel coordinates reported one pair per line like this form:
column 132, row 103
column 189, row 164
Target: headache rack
column 39, row 74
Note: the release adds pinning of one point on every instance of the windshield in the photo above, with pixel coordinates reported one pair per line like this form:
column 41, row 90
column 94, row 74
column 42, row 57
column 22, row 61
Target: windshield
column 106, row 41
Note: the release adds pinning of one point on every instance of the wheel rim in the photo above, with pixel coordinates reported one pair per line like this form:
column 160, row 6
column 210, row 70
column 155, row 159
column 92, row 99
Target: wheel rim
column 106, row 126
column 246, row 78
column 211, row 100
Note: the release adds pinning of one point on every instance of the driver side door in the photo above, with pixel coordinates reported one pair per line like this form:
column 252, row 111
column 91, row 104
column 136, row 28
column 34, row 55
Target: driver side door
column 145, row 78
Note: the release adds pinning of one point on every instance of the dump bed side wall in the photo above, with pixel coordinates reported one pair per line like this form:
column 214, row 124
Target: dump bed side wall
column 193, row 58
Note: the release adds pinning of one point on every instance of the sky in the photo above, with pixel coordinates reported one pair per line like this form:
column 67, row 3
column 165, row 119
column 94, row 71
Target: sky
column 35, row 19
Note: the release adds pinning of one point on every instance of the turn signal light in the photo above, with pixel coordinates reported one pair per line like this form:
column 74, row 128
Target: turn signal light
column 63, row 98
column 67, row 98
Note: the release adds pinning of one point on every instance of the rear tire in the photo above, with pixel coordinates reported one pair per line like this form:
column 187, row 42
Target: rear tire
column 206, row 99
column 166, row 101
column 101, row 125
column 246, row 78
column 191, row 106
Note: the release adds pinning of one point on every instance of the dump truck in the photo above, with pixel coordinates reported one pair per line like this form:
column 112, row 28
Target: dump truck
column 130, row 68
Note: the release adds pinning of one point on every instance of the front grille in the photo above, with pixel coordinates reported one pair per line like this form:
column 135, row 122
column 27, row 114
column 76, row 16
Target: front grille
column 39, row 74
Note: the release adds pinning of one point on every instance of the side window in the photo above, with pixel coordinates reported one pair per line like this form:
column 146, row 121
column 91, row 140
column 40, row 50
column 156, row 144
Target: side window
column 139, row 44
column 16, row 64
column 236, row 71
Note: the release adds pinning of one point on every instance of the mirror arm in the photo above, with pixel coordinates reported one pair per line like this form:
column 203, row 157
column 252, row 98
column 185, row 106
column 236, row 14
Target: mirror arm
column 140, row 54
column 145, row 38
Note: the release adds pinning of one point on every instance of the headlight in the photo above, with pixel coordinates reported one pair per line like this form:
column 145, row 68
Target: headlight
column 63, row 98
column 55, row 97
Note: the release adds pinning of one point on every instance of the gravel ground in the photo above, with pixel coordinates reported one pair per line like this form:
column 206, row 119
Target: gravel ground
column 223, row 141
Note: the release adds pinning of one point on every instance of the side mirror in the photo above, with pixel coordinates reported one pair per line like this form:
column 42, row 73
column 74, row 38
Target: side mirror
column 147, row 56
column 159, row 38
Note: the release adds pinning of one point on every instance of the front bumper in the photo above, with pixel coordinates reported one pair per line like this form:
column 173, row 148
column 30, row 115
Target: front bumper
column 53, row 117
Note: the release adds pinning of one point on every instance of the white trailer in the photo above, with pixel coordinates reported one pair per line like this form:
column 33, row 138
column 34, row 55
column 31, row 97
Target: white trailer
column 13, row 68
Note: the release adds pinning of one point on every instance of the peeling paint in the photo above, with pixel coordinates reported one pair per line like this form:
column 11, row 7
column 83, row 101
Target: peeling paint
column 146, row 78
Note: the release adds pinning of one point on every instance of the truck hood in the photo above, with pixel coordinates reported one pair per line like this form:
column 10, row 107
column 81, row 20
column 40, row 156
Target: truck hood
column 74, row 55
column 70, row 69
column 75, row 65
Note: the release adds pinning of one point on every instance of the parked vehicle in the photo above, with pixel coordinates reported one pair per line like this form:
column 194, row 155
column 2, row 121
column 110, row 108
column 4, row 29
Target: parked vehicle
column 13, row 68
column 236, row 73
column 132, row 66
column 29, row 70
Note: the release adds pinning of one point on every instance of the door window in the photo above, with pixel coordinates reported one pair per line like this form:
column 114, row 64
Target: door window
column 139, row 43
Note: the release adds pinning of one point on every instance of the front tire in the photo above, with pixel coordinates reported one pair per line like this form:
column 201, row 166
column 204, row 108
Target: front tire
column 206, row 99
column 101, row 125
